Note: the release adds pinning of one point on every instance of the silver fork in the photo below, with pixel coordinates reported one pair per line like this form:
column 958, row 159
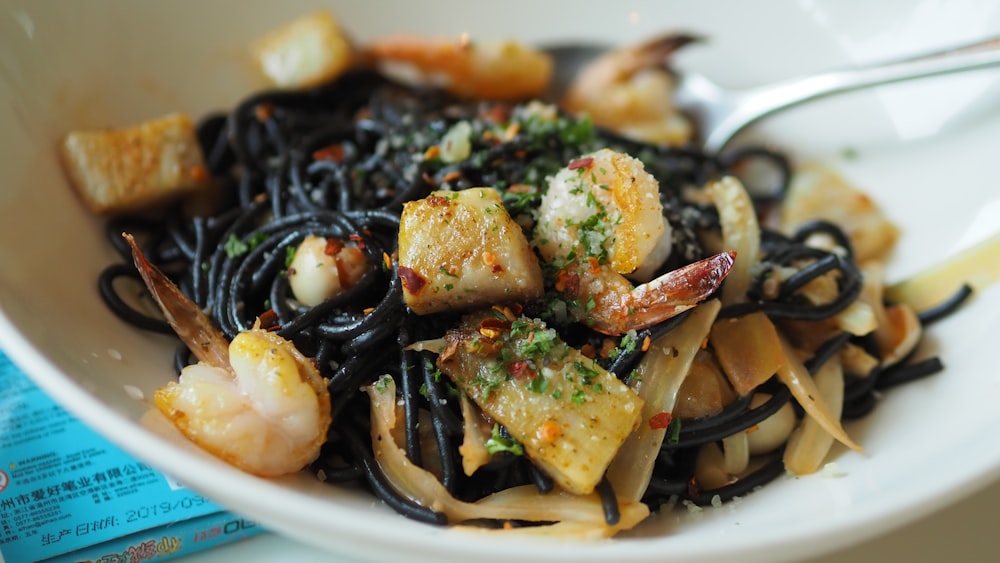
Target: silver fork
column 722, row 113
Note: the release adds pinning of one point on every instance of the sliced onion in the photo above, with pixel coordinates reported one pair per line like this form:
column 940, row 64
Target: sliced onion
column 660, row 374
column 898, row 329
column 709, row 468
column 740, row 232
column 736, row 450
column 772, row 432
column 748, row 350
column 810, row 443
column 473, row 449
column 856, row 360
column 583, row 514
column 978, row 266
column 796, row 377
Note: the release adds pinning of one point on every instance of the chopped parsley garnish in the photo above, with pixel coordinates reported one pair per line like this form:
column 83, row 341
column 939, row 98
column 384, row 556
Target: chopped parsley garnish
column 383, row 383
column 539, row 384
column 235, row 247
column 497, row 443
column 626, row 346
column 674, row 430
column 587, row 373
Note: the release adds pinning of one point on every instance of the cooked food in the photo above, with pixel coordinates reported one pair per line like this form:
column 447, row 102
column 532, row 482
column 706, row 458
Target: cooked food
column 305, row 52
column 489, row 311
column 631, row 90
column 487, row 259
column 256, row 403
column 497, row 70
column 135, row 167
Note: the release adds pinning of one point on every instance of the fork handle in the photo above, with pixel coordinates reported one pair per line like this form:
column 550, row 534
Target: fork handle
column 758, row 102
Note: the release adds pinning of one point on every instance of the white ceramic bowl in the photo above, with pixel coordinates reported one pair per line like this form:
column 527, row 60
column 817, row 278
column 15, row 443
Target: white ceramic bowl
column 926, row 152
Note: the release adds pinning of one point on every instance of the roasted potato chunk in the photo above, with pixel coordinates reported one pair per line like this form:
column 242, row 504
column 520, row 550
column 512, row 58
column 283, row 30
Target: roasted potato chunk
column 304, row 52
column 117, row 170
column 569, row 413
column 460, row 250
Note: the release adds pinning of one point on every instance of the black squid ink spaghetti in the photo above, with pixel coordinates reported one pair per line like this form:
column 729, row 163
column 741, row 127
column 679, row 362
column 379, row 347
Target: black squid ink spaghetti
column 338, row 162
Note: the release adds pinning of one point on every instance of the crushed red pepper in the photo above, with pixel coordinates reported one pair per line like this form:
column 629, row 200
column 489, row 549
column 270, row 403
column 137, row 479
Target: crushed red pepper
column 660, row 420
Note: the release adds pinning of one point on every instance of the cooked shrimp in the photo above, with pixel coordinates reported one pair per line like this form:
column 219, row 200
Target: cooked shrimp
column 601, row 218
column 506, row 70
column 323, row 268
column 630, row 91
column 256, row 403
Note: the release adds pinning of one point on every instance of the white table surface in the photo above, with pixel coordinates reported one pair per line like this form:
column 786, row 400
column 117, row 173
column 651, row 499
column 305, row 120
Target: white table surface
column 963, row 532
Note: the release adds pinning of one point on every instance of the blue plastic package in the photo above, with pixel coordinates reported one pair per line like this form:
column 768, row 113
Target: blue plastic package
column 69, row 495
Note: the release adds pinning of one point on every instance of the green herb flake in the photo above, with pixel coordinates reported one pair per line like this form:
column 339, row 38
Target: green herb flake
column 497, row 443
column 235, row 247
column 383, row 383
column 627, row 345
column 539, row 384
column 674, row 430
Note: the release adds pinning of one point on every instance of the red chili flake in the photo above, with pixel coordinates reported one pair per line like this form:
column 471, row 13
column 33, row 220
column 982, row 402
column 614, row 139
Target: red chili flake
column 581, row 163
column 694, row 489
column 333, row 153
column 521, row 370
column 451, row 176
column 412, row 281
column 333, row 247
column 268, row 320
column 548, row 431
column 660, row 420
column 263, row 111
column 436, row 200
column 199, row 173
column 357, row 239
column 496, row 114
column 497, row 269
column 595, row 265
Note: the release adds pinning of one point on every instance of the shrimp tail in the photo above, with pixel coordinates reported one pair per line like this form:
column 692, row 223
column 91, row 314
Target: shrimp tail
column 192, row 326
column 668, row 295
column 656, row 53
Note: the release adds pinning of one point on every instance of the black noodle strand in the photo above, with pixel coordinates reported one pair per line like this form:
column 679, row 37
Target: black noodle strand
column 949, row 306
column 609, row 502
column 383, row 489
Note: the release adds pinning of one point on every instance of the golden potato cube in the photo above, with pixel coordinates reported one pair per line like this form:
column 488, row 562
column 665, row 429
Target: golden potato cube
column 569, row 413
column 462, row 249
column 305, row 52
column 117, row 170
